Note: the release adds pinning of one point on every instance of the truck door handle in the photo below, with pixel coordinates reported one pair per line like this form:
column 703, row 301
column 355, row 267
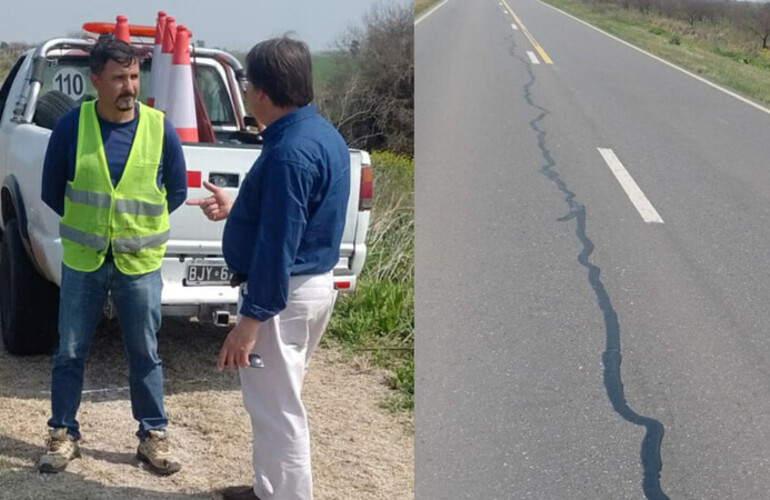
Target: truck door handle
column 224, row 180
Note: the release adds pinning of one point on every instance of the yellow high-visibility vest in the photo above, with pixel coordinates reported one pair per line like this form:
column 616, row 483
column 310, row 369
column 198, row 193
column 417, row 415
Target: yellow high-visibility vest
column 132, row 216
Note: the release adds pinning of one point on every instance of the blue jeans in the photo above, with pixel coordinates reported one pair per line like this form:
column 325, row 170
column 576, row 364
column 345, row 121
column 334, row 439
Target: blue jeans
column 137, row 302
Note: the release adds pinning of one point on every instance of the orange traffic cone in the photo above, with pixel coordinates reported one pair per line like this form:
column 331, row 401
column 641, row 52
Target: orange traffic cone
column 121, row 29
column 166, row 57
column 156, row 73
column 180, row 104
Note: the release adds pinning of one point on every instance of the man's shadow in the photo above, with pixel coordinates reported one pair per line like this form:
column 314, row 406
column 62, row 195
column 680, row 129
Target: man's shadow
column 12, row 447
column 188, row 351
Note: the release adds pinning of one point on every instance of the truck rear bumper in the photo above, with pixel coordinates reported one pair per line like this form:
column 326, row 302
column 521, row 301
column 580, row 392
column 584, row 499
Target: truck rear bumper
column 217, row 304
column 210, row 304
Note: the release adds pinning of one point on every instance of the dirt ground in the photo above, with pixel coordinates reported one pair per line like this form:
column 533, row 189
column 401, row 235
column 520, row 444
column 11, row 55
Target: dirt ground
column 360, row 451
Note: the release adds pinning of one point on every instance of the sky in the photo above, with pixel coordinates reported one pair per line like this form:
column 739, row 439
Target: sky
column 232, row 24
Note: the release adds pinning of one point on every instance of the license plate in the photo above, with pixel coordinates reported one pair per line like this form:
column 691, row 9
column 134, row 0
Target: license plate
column 198, row 274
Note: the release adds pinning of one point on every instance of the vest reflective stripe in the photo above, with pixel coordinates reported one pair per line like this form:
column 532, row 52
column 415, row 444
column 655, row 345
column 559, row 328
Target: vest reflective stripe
column 134, row 207
column 99, row 200
column 136, row 244
column 85, row 239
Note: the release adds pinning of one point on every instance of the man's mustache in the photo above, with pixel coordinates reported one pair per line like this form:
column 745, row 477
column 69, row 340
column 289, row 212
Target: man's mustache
column 133, row 96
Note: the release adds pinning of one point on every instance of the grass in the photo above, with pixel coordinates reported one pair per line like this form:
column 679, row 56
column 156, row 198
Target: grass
column 706, row 49
column 421, row 6
column 6, row 63
column 378, row 318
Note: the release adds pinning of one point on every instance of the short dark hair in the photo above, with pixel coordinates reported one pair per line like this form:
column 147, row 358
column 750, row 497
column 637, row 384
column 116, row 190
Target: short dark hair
column 110, row 48
column 282, row 68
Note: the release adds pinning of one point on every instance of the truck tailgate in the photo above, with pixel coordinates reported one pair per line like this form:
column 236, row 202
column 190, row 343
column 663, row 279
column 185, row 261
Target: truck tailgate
column 193, row 234
column 191, row 231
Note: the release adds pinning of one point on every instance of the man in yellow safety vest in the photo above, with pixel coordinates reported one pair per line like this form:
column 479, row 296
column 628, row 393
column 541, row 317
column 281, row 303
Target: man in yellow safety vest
column 114, row 170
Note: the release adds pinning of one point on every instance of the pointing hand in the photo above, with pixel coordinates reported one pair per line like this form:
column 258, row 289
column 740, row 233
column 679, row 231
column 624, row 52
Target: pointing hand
column 217, row 206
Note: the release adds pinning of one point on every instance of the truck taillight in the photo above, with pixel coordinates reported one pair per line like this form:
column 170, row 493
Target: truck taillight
column 193, row 179
column 342, row 285
column 367, row 188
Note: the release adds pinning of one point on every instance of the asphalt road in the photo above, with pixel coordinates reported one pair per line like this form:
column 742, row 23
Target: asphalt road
column 567, row 348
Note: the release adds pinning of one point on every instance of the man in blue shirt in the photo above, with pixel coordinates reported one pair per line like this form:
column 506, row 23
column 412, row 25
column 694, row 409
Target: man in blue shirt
column 282, row 239
column 88, row 150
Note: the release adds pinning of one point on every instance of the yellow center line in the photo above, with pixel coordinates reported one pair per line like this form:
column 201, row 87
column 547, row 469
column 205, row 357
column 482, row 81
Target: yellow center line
column 529, row 36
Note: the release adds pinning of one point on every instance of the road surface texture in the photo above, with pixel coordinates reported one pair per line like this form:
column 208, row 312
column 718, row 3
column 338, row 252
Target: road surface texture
column 592, row 267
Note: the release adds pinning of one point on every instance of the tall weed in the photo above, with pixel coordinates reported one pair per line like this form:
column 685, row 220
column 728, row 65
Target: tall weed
column 379, row 316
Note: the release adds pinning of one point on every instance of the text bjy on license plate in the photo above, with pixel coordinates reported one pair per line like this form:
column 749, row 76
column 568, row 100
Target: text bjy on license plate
column 208, row 273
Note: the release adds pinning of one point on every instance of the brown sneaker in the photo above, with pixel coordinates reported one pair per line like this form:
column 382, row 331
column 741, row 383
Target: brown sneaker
column 154, row 450
column 60, row 449
column 239, row 493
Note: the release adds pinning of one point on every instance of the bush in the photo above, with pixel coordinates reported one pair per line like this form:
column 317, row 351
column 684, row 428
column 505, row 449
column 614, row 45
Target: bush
column 379, row 315
column 9, row 54
column 369, row 96
column 382, row 309
column 402, row 381
column 391, row 227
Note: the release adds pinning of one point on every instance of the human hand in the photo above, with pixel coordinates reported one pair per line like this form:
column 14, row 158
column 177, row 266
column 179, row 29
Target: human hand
column 239, row 344
column 216, row 207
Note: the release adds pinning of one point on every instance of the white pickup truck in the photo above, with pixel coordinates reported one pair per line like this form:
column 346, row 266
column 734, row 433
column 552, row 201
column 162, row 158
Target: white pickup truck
column 45, row 83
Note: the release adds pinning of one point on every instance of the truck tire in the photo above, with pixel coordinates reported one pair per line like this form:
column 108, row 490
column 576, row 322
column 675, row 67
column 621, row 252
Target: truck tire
column 52, row 106
column 29, row 304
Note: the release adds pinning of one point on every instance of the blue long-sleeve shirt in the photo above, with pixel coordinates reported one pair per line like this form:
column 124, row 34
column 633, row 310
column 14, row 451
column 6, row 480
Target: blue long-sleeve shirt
column 290, row 211
column 59, row 165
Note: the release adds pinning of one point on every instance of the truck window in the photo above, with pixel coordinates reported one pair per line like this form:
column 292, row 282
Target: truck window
column 215, row 96
column 6, row 88
column 71, row 75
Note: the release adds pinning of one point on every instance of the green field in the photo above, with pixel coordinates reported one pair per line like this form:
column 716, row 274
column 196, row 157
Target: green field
column 323, row 68
column 711, row 50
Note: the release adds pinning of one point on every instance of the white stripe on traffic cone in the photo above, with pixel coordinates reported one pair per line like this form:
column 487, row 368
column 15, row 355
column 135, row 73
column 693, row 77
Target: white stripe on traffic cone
column 181, row 97
column 166, row 57
column 156, row 72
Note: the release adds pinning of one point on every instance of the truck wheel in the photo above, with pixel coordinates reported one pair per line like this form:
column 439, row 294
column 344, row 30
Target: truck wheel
column 52, row 106
column 29, row 304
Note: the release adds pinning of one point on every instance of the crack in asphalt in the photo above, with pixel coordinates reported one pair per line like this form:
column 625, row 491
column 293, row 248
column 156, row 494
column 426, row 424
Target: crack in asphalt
column 611, row 358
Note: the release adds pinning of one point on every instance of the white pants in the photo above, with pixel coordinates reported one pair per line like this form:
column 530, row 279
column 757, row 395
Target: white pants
column 272, row 395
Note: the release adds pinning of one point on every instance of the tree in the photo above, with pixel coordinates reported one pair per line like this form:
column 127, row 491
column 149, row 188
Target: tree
column 759, row 24
column 370, row 95
column 693, row 10
column 644, row 6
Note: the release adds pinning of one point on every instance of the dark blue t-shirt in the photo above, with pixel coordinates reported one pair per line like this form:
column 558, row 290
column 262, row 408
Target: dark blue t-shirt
column 290, row 211
column 59, row 165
